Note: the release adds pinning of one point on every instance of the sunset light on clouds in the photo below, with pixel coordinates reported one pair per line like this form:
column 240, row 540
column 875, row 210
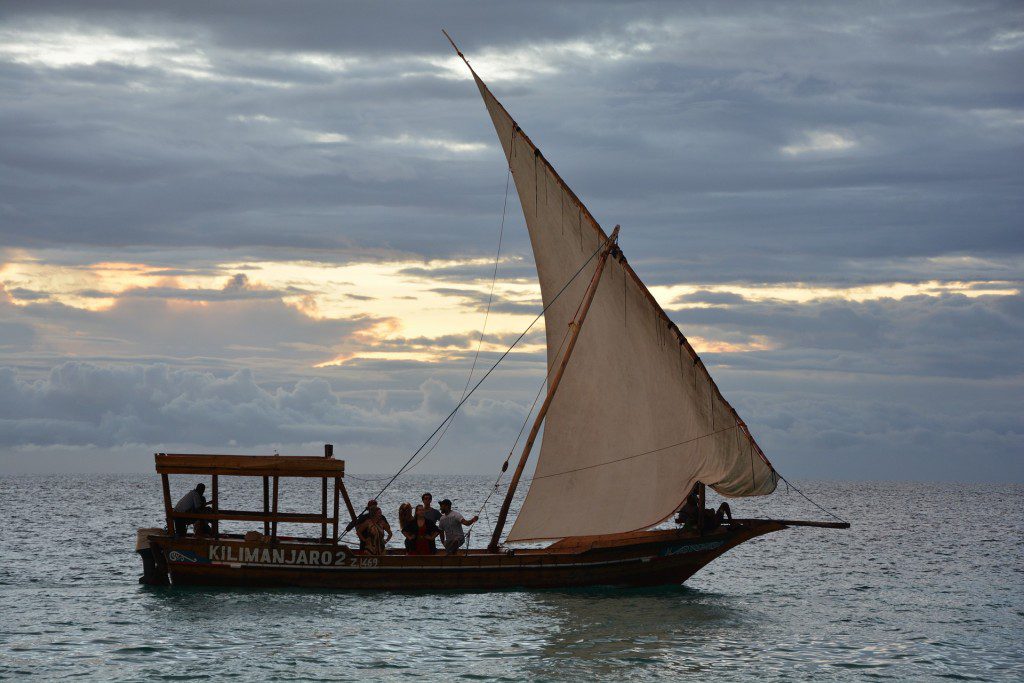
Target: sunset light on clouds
column 264, row 233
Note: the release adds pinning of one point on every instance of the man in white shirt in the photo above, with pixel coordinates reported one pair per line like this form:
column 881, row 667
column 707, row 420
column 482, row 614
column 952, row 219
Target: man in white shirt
column 451, row 524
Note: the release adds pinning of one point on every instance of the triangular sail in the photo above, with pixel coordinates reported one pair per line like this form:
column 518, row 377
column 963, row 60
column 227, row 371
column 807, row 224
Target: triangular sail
column 637, row 419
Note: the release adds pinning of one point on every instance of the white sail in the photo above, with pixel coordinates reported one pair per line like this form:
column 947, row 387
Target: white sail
column 637, row 419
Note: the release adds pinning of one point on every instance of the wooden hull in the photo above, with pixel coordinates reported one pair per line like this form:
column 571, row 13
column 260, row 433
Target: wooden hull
column 639, row 559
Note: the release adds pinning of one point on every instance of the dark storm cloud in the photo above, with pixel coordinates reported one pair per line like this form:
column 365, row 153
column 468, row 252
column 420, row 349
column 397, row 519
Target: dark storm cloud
column 705, row 297
column 218, row 329
column 237, row 289
column 516, row 270
column 84, row 404
column 27, row 294
column 679, row 138
column 495, row 302
column 926, row 336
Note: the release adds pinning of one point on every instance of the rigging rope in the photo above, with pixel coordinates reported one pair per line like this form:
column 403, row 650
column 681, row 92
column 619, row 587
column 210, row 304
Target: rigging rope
column 487, row 374
column 808, row 499
column 483, row 329
column 522, row 428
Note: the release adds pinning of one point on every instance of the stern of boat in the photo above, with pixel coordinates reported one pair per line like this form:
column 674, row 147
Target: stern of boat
column 154, row 568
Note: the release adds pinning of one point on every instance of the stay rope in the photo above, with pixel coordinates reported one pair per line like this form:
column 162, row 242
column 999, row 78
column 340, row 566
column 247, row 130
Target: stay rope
column 487, row 374
column 789, row 484
column 483, row 329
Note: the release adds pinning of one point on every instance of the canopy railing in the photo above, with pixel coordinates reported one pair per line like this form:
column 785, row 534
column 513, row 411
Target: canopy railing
column 268, row 467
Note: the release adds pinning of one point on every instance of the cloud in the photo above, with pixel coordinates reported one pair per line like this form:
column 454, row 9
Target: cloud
column 88, row 405
column 820, row 142
column 945, row 336
column 851, row 152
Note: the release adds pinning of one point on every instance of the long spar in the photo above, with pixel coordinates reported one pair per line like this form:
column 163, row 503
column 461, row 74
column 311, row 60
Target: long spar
column 576, row 325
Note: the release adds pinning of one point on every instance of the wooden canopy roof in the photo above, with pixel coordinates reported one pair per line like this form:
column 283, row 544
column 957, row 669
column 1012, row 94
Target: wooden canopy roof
column 249, row 465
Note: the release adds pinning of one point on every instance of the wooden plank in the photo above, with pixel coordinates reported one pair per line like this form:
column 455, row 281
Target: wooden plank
column 256, row 516
column 168, row 509
column 823, row 525
column 249, row 465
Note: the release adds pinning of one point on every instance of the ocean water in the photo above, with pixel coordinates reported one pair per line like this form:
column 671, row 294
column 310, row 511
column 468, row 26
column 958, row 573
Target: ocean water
column 928, row 584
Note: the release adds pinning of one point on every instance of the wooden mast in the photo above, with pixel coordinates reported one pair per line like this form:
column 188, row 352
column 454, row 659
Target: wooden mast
column 576, row 325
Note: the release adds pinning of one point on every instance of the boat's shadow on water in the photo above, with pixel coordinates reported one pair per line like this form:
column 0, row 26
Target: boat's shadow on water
column 598, row 610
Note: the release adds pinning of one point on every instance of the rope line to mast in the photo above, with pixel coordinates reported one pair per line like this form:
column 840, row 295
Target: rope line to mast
column 522, row 428
column 808, row 498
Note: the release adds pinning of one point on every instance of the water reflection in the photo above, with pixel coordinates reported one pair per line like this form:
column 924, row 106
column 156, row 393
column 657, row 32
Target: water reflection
column 900, row 596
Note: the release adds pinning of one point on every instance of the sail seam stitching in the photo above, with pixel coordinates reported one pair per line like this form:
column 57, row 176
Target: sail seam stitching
column 637, row 455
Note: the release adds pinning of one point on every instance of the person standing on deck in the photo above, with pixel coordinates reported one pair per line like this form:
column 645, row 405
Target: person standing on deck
column 432, row 514
column 424, row 533
column 450, row 524
column 407, row 525
column 193, row 501
column 374, row 533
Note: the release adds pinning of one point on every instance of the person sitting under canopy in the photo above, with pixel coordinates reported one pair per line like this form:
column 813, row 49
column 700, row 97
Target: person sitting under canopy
column 193, row 501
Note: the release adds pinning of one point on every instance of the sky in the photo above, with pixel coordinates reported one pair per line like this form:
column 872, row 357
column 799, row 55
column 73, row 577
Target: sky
column 259, row 228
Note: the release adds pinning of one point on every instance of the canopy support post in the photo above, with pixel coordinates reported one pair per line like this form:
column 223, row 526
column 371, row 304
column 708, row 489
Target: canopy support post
column 266, row 505
column 273, row 524
column 576, row 325
column 348, row 501
column 168, row 510
column 338, row 486
column 328, row 453
column 214, row 504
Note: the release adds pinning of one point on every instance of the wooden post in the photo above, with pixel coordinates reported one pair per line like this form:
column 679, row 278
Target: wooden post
column 266, row 505
column 328, row 453
column 334, row 521
column 576, row 325
column 215, row 505
column 273, row 525
column 700, row 508
column 168, row 510
column 323, row 508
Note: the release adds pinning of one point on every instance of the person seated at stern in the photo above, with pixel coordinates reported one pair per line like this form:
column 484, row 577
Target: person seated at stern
column 193, row 501
column 450, row 524
column 689, row 514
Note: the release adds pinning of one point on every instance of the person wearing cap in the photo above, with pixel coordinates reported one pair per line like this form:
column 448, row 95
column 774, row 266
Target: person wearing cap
column 432, row 515
column 450, row 524
column 193, row 501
